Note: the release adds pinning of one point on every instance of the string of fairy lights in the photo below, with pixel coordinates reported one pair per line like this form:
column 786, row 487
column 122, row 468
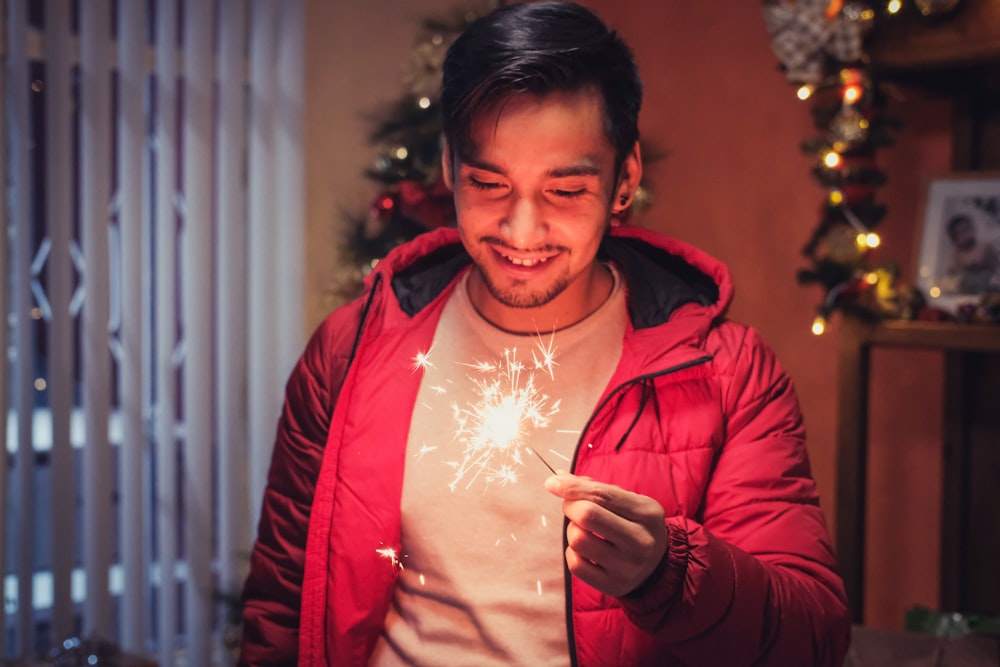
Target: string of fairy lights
column 821, row 46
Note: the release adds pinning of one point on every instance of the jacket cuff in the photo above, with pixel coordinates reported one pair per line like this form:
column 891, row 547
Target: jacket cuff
column 648, row 605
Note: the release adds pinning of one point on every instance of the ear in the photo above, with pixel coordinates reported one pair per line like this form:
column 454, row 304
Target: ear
column 629, row 177
column 446, row 166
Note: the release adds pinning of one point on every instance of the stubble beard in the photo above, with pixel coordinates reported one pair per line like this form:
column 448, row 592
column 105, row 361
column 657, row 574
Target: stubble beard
column 520, row 296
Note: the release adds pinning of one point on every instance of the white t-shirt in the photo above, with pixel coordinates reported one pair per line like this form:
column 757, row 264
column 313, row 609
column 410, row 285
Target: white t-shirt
column 482, row 556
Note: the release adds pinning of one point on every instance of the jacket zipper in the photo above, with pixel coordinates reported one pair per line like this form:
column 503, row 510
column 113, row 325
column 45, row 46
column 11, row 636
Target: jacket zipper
column 567, row 577
column 362, row 320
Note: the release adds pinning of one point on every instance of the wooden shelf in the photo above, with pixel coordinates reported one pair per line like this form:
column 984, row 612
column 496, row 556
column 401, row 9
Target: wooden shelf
column 968, row 36
column 937, row 335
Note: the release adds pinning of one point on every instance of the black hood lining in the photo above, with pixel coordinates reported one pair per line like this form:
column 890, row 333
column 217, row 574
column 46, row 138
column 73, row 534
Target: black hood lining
column 421, row 282
column 658, row 282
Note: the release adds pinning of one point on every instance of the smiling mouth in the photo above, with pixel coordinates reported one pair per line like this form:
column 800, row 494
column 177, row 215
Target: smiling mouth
column 525, row 261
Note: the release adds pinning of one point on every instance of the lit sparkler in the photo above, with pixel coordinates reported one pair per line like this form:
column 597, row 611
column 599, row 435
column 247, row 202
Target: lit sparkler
column 507, row 405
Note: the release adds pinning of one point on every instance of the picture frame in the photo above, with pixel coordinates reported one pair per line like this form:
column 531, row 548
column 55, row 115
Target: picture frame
column 958, row 259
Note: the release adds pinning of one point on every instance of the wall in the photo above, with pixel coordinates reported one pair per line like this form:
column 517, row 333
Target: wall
column 354, row 64
column 734, row 183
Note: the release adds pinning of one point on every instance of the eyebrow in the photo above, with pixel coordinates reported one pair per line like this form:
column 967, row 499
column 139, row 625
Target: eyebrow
column 586, row 168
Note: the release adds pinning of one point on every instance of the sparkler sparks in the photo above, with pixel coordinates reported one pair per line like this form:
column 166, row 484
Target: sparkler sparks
column 493, row 427
column 504, row 476
column 390, row 554
column 545, row 356
column 424, row 449
column 422, row 361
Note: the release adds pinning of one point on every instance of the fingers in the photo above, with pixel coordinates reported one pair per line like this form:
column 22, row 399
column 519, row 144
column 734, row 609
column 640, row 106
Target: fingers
column 618, row 501
column 591, row 547
column 608, row 567
column 615, row 538
column 605, row 523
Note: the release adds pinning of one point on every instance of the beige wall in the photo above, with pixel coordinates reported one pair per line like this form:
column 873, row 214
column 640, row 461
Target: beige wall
column 734, row 183
column 354, row 55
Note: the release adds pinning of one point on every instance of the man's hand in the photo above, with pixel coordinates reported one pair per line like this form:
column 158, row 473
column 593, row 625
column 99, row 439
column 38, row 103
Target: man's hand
column 616, row 538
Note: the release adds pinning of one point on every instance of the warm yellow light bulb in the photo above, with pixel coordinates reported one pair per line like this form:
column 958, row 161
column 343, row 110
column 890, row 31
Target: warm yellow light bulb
column 894, row 6
column 935, row 292
column 402, row 153
column 872, row 240
column 836, row 197
column 871, row 278
column 831, row 159
column 852, row 94
column 819, row 326
column 805, row 91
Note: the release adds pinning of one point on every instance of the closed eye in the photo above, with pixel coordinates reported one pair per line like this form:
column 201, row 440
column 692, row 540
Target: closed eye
column 484, row 185
column 569, row 194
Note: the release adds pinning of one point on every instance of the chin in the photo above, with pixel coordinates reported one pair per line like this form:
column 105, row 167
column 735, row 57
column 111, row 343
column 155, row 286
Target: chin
column 524, row 298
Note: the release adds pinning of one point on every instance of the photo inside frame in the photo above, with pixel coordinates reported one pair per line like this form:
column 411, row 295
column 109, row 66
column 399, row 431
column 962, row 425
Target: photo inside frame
column 959, row 257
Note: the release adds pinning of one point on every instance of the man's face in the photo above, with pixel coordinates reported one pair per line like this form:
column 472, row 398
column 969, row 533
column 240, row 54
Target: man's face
column 534, row 200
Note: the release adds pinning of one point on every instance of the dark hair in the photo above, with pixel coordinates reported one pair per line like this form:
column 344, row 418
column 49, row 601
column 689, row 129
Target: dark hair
column 539, row 48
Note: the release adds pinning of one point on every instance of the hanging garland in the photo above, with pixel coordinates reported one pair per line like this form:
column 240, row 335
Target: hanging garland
column 821, row 46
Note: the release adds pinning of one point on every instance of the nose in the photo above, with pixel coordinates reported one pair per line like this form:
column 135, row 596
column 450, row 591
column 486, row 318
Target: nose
column 524, row 226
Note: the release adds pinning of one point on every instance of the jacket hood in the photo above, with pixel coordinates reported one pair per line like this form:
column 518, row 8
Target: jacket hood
column 666, row 278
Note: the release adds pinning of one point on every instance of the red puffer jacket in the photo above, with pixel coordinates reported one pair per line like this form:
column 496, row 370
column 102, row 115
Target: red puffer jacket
column 698, row 415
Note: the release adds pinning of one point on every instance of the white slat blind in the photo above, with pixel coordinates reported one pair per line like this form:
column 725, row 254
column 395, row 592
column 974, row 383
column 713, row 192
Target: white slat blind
column 196, row 316
column 59, row 227
column 262, row 212
column 167, row 251
column 276, row 65
column 231, row 396
column 286, row 83
column 95, row 200
column 167, row 362
column 4, row 326
column 23, row 389
column 129, row 197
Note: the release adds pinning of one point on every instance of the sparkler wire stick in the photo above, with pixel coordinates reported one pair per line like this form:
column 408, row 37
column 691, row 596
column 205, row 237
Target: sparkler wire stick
column 546, row 463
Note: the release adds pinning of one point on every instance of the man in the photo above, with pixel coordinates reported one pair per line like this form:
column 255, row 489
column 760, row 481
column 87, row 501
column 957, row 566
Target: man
column 410, row 517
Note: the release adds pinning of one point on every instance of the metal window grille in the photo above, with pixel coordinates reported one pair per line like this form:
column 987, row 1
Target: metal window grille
column 150, row 253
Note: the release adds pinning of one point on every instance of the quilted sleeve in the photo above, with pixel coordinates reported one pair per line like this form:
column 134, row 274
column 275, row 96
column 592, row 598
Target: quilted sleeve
column 755, row 581
column 272, row 591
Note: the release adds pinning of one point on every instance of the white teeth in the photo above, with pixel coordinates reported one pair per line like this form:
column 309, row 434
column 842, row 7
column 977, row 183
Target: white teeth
column 526, row 262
